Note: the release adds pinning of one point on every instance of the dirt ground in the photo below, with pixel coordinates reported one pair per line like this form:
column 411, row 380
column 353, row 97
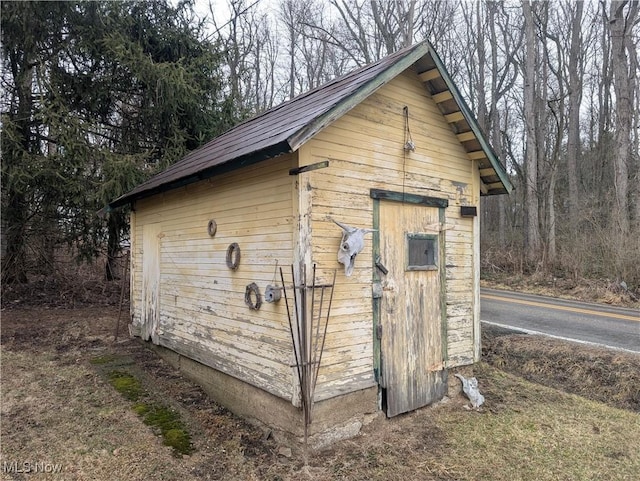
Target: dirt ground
column 59, row 410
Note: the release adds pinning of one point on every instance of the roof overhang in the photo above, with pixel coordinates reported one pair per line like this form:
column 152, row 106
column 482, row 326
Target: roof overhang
column 433, row 73
column 217, row 156
column 238, row 163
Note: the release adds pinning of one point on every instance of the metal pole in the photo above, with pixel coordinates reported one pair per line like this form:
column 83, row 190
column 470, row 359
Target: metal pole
column 295, row 350
column 326, row 324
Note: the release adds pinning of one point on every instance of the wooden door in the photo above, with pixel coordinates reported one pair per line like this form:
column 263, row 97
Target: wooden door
column 150, row 281
column 411, row 354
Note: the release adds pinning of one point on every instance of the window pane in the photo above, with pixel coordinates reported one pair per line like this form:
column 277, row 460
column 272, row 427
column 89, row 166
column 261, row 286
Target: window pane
column 422, row 251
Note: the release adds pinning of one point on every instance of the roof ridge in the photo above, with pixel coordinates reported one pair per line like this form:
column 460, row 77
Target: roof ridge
column 307, row 93
column 288, row 125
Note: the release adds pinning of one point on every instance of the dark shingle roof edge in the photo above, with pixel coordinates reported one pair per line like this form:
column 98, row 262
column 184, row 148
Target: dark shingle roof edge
column 299, row 122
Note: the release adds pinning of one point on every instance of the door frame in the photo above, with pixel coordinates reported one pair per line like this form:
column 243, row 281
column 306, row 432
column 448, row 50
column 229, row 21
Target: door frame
column 377, row 195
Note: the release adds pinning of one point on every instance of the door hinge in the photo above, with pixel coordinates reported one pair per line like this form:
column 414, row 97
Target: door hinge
column 379, row 331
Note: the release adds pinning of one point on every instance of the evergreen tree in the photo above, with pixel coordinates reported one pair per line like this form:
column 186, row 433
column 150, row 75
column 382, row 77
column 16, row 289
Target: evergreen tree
column 97, row 97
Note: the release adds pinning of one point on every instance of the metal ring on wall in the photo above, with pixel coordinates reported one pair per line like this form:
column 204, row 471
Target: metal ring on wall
column 233, row 256
column 212, row 227
column 253, row 291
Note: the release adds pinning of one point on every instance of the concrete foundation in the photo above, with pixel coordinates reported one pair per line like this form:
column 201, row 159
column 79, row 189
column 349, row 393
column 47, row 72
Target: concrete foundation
column 333, row 419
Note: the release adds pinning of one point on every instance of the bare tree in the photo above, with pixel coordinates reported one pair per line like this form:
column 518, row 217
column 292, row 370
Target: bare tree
column 396, row 22
column 251, row 54
column 634, row 69
column 291, row 15
column 356, row 32
column 369, row 30
column 621, row 19
column 490, row 72
column 575, row 72
column 266, row 56
column 321, row 57
column 531, row 221
column 556, row 62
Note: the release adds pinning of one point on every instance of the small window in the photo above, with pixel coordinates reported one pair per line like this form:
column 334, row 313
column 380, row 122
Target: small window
column 422, row 252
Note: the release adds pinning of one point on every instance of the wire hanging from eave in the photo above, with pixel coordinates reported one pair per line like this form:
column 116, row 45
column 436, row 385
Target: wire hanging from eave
column 409, row 145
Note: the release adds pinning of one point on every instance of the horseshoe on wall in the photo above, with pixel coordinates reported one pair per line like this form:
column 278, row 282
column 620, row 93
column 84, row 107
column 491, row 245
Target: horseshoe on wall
column 252, row 297
column 212, row 227
column 233, row 256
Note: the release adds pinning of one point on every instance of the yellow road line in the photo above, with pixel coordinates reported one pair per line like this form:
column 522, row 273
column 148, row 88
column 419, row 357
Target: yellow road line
column 562, row 308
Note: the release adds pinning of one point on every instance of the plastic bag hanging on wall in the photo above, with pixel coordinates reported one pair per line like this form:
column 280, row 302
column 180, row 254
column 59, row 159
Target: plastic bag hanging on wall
column 350, row 246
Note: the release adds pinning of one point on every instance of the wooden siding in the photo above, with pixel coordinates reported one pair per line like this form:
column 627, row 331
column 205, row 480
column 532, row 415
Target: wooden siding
column 202, row 310
column 275, row 217
column 365, row 150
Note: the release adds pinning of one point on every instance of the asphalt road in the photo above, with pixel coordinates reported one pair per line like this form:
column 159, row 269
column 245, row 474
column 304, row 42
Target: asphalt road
column 584, row 322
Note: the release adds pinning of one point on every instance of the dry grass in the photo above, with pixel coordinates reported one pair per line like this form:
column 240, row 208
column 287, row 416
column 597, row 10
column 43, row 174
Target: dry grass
column 525, row 432
column 607, row 376
column 58, row 408
column 603, row 291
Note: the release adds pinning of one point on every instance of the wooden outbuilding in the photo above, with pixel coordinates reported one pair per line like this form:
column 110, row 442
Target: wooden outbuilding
column 391, row 149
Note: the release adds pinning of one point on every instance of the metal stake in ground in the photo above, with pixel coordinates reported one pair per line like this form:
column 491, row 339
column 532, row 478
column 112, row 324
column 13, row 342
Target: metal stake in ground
column 308, row 337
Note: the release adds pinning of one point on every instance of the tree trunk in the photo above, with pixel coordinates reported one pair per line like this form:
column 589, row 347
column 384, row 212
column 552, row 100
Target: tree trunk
column 113, row 245
column 14, row 262
column 531, row 221
column 575, row 98
column 494, row 119
column 408, row 24
column 551, row 235
column 621, row 84
column 634, row 91
column 15, row 159
column 633, row 58
column 290, row 17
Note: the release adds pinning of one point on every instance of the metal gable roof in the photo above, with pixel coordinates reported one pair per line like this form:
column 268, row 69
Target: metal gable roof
column 289, row 125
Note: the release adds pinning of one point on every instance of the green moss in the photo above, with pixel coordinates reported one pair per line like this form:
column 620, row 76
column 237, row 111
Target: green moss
column 141, row 409
column 170, row 426
column 179, row 440
column 162, row 419
column 126, row 384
